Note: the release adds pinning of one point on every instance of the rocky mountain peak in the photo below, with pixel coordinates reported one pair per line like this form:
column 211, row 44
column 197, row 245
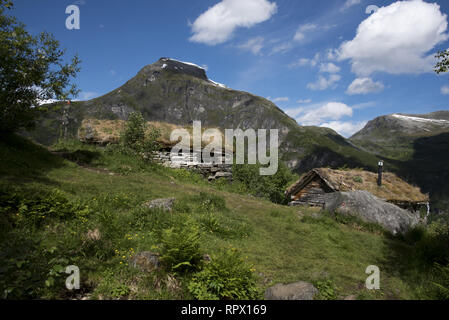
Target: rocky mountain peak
column 187, row 68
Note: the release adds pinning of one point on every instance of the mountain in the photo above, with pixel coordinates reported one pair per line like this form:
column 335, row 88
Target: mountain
column 394, row 135
column 415, row 146
column 178, row 93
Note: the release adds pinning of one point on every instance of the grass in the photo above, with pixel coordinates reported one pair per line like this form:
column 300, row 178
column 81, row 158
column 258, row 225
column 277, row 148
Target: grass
column 279, row 246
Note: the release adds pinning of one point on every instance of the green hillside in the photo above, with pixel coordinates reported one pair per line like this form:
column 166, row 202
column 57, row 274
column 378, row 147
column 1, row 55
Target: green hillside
column 51, row 206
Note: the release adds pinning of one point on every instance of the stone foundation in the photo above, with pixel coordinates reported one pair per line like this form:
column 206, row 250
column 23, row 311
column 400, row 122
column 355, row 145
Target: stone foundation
column 193, row 162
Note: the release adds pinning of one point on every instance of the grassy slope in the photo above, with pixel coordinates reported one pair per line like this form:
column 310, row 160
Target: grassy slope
column 281, row 246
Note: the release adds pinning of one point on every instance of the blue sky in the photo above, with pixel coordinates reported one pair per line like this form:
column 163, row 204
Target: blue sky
column 327, row 63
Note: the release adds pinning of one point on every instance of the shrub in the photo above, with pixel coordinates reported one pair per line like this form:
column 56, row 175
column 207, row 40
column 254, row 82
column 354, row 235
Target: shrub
column 442, row 284
column 137, row 136
column 269, row 187
column 225, row 277
column 415, row 234
column 434, row 245
column 327, row 290
column 110, row 286
column 180, row 248
column 30, row 209
column 358, row 179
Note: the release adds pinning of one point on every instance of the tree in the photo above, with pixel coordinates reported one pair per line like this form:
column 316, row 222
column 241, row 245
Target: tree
column 138, row 136
column 32, row 69
column 443, row 64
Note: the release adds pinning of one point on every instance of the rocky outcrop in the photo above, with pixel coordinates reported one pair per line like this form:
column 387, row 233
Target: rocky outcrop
column 369, row 208
column 295, row 291
column 164, row 204
column 145, row 261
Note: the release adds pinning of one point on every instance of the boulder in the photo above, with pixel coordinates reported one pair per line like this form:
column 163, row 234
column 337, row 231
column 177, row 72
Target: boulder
column 222, row 174
column 145, row 261
column 164, row 204
column 295, row 291
column 369, row 208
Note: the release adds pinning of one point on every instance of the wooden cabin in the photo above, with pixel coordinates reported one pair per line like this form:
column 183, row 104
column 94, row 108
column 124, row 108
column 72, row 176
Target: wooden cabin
column 314, row 185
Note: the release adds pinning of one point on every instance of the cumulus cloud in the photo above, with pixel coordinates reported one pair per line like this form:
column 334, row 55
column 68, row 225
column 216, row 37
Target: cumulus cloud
column 345, row 128
column 317, row 114
column 328, row 114
column 329, row 68
column 364, row 86
column 219, row 22
column 324, row 83
column 397, row 39
column 445, row 90
column 253, row 45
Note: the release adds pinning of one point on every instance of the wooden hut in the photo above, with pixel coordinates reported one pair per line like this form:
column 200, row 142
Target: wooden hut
column 314, row 185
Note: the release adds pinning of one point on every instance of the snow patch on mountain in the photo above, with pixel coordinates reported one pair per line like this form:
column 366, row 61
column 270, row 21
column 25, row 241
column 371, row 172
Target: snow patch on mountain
column 217, row 84
column 422, row 120
column 183, row 62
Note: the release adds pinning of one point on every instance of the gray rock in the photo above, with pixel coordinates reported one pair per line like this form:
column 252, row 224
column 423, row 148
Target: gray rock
column 369, row 208
column 89, row 133
column 223, row 175
column 165, row 204
column 145, row 261
column 295, row 291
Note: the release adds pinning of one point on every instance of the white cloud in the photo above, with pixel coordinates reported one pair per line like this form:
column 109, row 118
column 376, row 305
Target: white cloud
column 329, row 68
column 345, row 128
column 302, row 62
column 303, row 30
column 328, row 114
column 304, row 101
column 364, row 86
column 219, row 22
column 397, row 39
column 317, row 114
column 254, row 45
column 324, row 83
column 281, row 48
column 445, row 90
column 350, row 3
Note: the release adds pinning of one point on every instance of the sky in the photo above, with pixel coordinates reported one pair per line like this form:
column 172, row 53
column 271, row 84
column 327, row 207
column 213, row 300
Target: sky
column 336, row 63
